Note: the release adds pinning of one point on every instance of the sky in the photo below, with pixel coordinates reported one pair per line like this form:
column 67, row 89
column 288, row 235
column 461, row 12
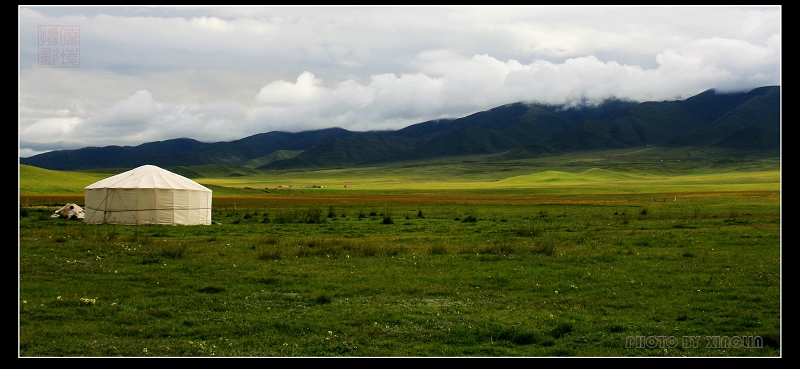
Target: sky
column 127, row 75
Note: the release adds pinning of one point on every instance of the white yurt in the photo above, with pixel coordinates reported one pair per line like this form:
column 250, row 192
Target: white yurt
column 147, row 195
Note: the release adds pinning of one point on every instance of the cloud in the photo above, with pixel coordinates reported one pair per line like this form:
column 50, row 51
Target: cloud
column 224, row 73
column 212, row 24
column 50, row 130
column 133, row 114
column 213, row 122
column 128, row 118
column 306, row 90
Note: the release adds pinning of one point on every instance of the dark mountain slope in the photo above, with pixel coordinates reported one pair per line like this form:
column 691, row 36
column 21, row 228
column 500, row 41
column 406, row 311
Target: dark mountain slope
column 700, row 120
column 183, row 151
column 752, row 124
column 732, row 121
column 356, row 148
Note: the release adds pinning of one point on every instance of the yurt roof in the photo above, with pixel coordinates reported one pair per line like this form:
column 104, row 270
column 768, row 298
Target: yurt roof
column 148, row 176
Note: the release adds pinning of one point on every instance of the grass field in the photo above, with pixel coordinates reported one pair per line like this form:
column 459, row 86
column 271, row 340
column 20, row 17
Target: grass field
column 468, row 257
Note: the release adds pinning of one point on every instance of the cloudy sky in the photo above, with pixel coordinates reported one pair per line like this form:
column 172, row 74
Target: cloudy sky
column 143, row 74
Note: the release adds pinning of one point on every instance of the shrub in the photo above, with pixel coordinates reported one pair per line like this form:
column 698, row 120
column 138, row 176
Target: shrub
column 528, row 230
column 310, row 216
column 313, row 215
column 392, row 250
column 269, row 253
column 546, row 247
column 561, row 330
column 367, row 250
column 149, row 259
column 490, row 249
column 524, row 338
column 210, row 289
column 322, row 299
column 174, row 251
column 437, row 249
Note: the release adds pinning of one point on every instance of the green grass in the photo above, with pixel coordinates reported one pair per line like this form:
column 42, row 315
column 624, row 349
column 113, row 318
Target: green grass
column 560, row 278
column 655, row 170
column 34, row 180
column 563, row 271
column 618, row 171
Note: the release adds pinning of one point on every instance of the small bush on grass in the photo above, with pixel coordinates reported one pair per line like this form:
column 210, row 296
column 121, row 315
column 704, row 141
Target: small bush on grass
column 366, row 250
column 149, row 259
column 437, row 249
column 322, row 299
column 210, row 289
column 313, row 216
column 528, row 230
column 562, row 329
column 392, row 250
column 544, row 247
column 547, row 342
column 524, row 338
column 174, row 250
column 387, row 216
column 269, row 253
column 309, row 216
column 490, row 250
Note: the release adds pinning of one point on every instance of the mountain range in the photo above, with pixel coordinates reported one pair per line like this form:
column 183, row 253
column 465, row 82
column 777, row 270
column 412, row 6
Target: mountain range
column 743, row 121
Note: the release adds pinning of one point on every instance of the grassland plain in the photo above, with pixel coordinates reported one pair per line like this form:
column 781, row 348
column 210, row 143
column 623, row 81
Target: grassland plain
column 673, row 263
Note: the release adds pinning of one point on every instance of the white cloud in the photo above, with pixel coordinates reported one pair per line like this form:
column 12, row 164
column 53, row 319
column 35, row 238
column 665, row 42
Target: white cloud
column 213, row 24
column 223, row 73
column 306, row 89
column 50, row 129
column 130, row 115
